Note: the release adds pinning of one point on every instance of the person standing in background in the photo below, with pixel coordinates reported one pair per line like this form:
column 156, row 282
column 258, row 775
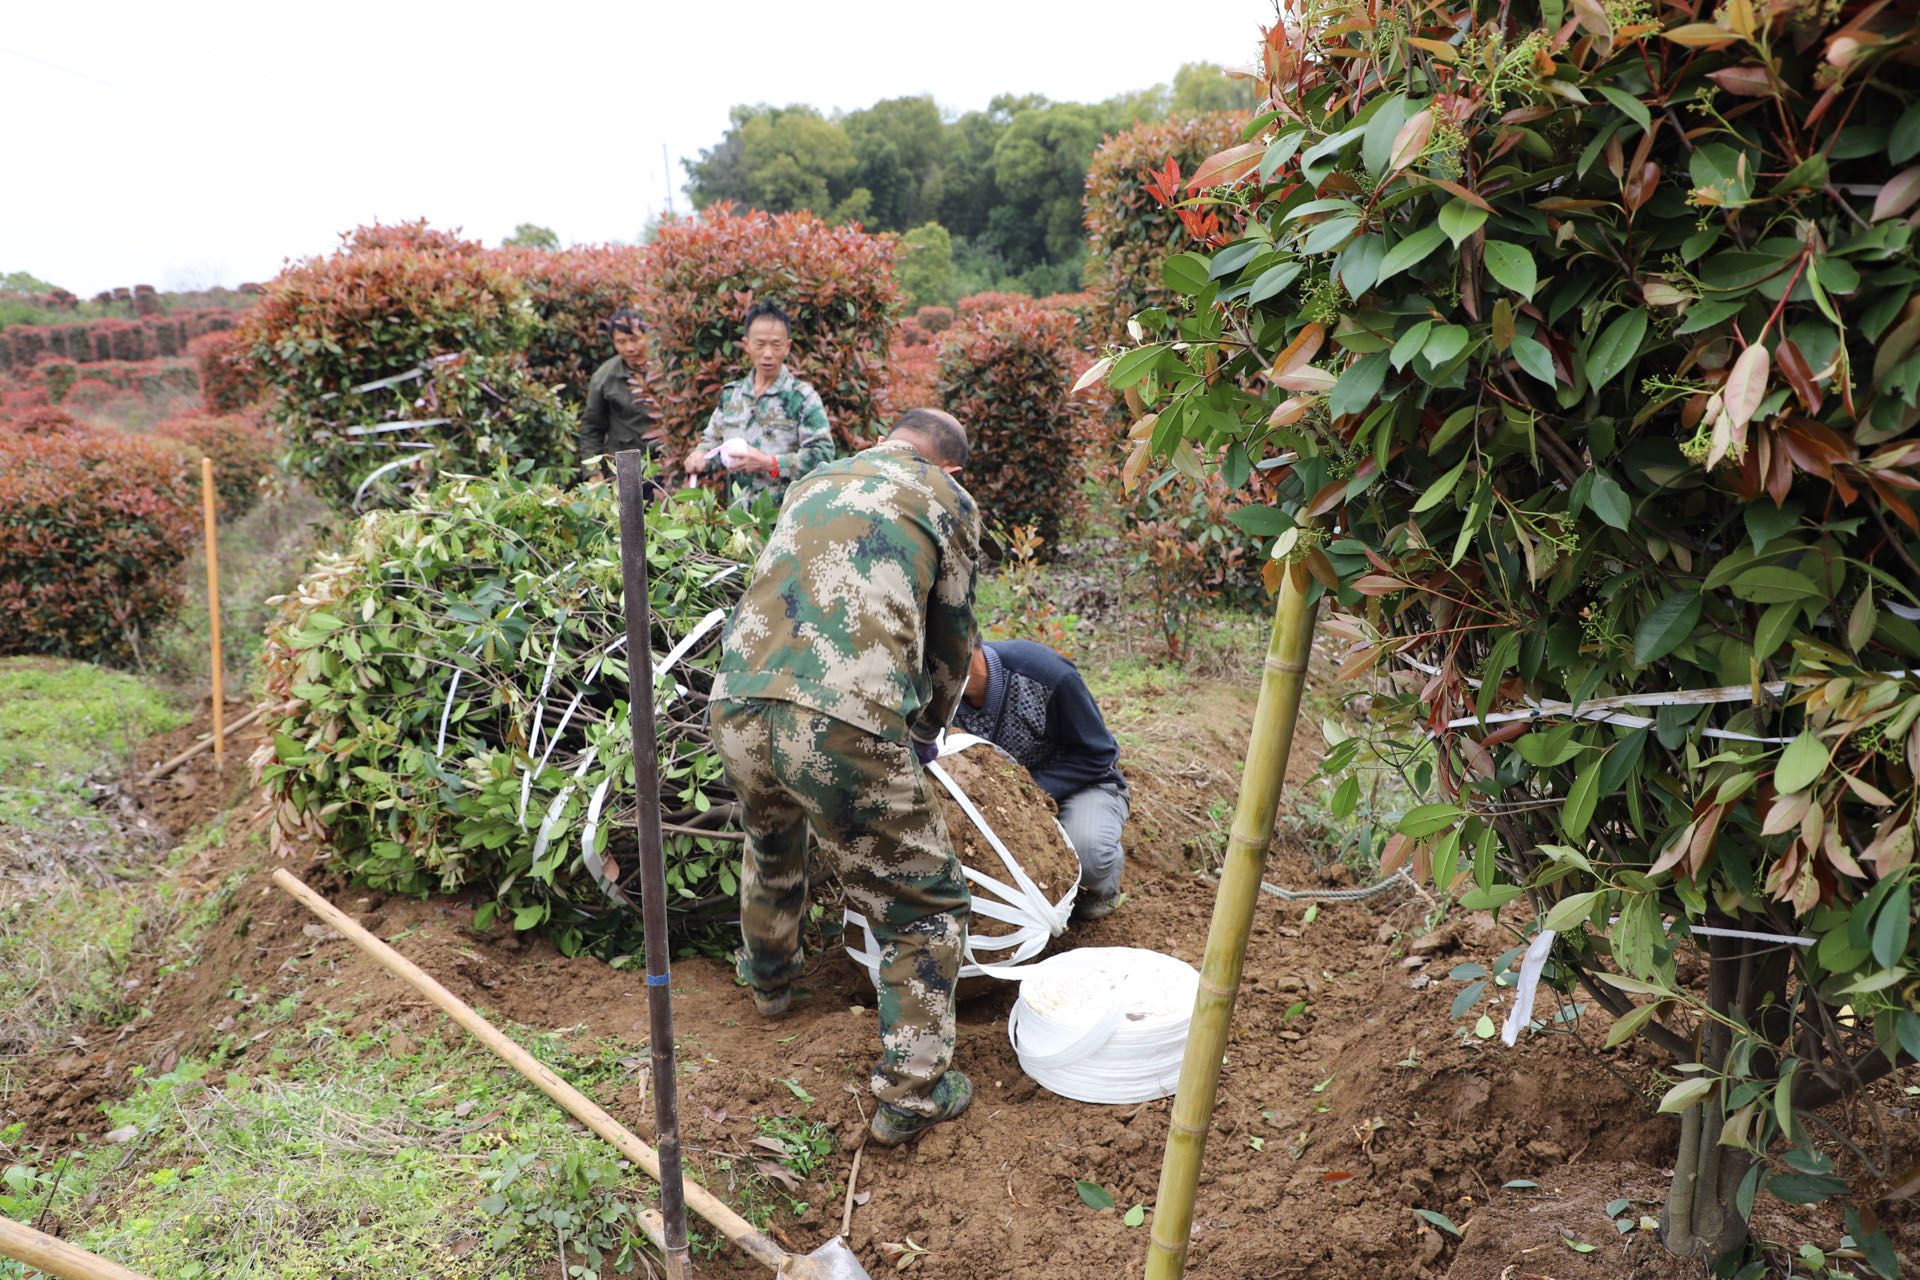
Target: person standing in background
column 620, row 413
column 770, row 428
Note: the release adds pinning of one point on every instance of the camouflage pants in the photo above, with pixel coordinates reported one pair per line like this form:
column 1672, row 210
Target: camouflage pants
column 881, row 834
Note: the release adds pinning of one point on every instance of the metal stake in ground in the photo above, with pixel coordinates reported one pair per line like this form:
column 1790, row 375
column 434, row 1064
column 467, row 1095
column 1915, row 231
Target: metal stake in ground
column 653, row 877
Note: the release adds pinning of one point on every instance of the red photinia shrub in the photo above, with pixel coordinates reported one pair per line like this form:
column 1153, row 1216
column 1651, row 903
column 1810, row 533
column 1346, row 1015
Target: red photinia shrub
column 241, row 445
column 573, row 291
column 92, row 529
column 837, row 283
column 388, row 304
column 910, row 334
column 27, row 418
column 1007, row 374
column 95, row 340
column 1129, row 233
column 934, row 319
column 913, row 377
column 227, row 381
column 991, row 300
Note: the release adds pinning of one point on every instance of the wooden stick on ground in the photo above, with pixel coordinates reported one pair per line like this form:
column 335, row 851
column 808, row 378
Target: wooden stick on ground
column 750, row 1239
column 168, row 765
column 213, row 613
column 56, row 1257
column 853, row 1180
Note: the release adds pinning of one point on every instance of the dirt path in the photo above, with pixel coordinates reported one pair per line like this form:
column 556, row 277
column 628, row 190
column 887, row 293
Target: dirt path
column 1349, row 1099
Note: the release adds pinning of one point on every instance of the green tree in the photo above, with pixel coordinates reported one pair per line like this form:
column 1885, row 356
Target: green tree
column 1040, row 170
column 1201, row 88
column 529, row 236
column 926, row 265
column 899, row 146
column 23, row 282
column 778, row 159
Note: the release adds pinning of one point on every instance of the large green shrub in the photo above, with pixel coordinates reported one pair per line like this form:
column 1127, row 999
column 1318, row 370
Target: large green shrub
column 1593, row 335
column 1007, row 374
column 449, row 701
column 837, row 283
column 1128, row 233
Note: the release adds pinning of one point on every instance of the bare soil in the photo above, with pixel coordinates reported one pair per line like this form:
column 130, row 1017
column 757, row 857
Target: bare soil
column 1022, row 815
column 1349, row 1097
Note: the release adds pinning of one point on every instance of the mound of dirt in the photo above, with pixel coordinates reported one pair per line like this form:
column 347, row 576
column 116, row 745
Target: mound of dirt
column 1020, row 813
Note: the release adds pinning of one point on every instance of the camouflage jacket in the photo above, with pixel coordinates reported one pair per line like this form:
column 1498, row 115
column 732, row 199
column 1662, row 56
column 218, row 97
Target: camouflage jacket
column 787, row 420
column 861, row 605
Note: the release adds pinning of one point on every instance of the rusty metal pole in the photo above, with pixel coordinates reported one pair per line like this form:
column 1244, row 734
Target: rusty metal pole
column 628, row 464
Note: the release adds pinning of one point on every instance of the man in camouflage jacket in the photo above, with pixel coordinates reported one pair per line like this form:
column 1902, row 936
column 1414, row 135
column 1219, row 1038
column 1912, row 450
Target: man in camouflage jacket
column 770, row 428
column 842, row 663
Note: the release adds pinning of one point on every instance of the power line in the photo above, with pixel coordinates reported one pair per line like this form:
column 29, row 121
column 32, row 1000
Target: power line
column 138, row 93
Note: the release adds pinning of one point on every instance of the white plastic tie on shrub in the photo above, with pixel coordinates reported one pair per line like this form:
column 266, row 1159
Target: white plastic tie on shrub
column 546, row 681
column 592, row 827
column 1527, row 987
column 379, row 383
column 446, row 712
column 687, row 641
column 545, row 835
column 399, row 424
column 1712, row 931
column 375, row 474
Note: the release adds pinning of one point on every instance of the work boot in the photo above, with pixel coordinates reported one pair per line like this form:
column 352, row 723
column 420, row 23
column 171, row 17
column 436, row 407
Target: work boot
column 768, row 1004
column 1086, row 907
column 950, row 1096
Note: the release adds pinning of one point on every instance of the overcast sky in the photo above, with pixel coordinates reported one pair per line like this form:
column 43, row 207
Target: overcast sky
column 191, row 144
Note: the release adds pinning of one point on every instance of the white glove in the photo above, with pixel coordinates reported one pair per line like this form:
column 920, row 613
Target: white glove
column 733, row 452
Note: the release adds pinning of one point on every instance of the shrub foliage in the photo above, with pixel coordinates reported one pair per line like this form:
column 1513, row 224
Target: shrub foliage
column 450, row 701
column 1007, row 373
column 242, row 448
column 1594, row 335
column 93, row 527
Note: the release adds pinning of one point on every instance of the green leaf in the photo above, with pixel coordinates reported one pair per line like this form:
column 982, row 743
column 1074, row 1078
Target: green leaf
column 1804, row 1188
column 1428, row 819
column 1490, row 899
column 1134, row 365
column 1582, row 796
column 1460, row 220
column 1772, row 584
column 1776, row 624
column 1907, row 1031
column 1609, row 501
column 1358, row 386
column 1360, row 264
column 1903, row 143
column 1804, row 759
column 1469, row 996
column 1513, row 267
column 1184, row 273
column 1629, row 1026
column 1442, row 489
column 1272, row 281
column 1615, row 348
column 1578, row 1246
column 1570, row 910
column 1685, row 1094
column 1444, row 342
column 1262, row 522
column 1327, row 236
column 1095, row 1195
column 1635, row 109
column 1440, row 1220
column 1768, row 523
column 1666, row 625
column 1134, row 1216
column 1533, row 356
column 1891, row 927
column 1408, row 344
column 1410, row 251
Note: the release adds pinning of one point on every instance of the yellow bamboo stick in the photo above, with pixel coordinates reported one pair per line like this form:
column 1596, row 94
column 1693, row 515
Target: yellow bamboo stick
column 213, row 613
column 1281, row 683
column 56, row 1257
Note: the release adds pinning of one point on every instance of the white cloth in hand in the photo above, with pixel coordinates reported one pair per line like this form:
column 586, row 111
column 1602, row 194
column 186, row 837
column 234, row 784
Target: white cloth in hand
column 733, row 452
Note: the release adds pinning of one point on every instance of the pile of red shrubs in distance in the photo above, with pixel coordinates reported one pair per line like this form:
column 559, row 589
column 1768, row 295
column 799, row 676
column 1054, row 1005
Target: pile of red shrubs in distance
column 151, row 337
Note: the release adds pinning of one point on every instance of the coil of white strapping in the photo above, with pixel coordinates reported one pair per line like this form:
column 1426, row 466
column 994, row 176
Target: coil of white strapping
column 1104, row 1024
column 1036, row 920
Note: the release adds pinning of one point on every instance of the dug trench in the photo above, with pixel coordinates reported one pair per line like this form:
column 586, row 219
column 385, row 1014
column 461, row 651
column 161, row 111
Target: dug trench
column 1349, row 1099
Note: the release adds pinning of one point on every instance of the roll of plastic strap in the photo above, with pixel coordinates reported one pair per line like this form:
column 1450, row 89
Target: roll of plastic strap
column 1103, row 1024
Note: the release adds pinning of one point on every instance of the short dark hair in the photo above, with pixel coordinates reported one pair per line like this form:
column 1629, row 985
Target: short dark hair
column 944, row 437
column 627, row 319
column 770, row 311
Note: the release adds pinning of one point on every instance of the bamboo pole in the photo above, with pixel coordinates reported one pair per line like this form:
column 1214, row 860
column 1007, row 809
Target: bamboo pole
column 213, row 614
column 55, row 1256
column 168, row 765
column 582, row 1108
column 653, row 880
column 1281, row 683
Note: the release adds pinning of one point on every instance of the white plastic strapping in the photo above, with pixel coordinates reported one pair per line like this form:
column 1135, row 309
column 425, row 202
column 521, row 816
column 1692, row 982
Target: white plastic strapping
column 1104, row 1024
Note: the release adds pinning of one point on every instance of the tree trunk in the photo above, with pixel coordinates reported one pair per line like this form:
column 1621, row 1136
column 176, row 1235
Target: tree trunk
column 1747, row 980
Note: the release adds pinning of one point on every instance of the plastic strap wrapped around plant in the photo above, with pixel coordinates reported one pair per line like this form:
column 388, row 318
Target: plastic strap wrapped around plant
column 449, row 708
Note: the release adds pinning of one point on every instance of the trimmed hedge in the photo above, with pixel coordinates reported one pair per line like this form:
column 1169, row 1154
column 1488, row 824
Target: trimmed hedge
column 92, row 529
column 573, row 292
column 1006, row 374
column 242, row 448
column 228, row 383
column 837, row 283
column 1128, row 233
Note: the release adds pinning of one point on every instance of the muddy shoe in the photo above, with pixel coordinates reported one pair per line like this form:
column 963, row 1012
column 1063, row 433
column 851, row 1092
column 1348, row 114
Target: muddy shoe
column 951, row 1095
column 1087, row 908
column 768, row 1004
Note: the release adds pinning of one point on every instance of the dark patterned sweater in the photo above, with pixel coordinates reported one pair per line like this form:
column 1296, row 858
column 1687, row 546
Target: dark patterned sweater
column 1039, row 711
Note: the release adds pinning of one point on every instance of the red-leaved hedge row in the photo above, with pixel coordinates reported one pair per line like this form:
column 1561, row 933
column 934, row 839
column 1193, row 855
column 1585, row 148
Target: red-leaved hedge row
column 148, row 338
column 1007, row 373
column 93, row 527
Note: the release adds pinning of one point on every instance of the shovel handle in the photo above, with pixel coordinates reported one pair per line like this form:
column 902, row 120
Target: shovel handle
column 55, row 1256
column 584, row 1109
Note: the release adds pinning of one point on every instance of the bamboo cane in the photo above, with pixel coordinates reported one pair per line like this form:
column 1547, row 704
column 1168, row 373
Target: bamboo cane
column 653, row 880
column 55, row 1256
column 1281, row 683
column 584, row 1109
column 213, row 613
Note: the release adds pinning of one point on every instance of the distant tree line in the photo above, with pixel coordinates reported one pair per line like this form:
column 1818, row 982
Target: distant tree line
column 986, row 200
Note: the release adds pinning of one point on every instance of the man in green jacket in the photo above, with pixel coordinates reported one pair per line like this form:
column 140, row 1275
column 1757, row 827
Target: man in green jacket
column 619, row 413
column 842, row 663
column 770, row 428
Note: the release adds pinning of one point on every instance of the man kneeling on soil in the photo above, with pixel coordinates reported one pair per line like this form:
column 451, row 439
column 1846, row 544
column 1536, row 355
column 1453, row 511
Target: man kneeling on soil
column 841, row 665
column 1031, row 703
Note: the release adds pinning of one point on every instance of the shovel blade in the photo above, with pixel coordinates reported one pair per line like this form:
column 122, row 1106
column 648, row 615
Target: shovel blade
column 831, row 1261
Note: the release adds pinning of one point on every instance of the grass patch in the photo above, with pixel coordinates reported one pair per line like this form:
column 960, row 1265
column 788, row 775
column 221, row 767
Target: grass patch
column 351, row 1162
column 63, row 724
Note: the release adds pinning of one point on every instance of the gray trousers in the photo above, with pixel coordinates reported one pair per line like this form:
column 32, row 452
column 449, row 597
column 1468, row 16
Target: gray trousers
column 1093, row 818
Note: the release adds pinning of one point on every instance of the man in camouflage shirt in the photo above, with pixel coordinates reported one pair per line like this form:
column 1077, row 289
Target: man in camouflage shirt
column 842, row 663
column 770, row 428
